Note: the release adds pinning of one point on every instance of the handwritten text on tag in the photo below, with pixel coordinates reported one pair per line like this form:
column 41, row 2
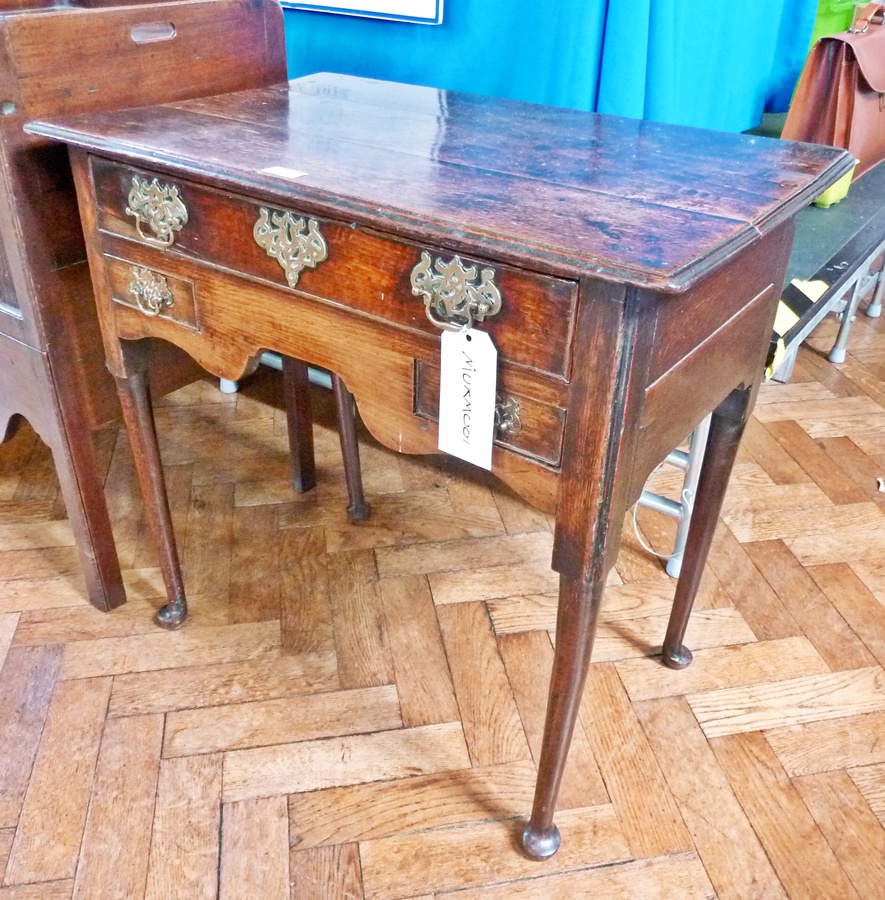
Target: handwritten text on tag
column 468, row 375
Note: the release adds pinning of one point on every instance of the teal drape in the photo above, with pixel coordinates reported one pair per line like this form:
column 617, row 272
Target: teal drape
column 693, row 62
column 542, row 52
column 686, row 61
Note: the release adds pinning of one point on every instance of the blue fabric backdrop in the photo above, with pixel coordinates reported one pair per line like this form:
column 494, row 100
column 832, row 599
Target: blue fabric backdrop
column 683, row 61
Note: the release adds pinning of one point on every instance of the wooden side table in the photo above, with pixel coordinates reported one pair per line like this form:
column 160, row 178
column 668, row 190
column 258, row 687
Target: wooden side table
column 626, row 271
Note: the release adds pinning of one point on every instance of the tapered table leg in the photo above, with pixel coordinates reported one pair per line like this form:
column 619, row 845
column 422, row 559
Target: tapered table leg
column 139, row 417
column 357, row 507
column 726, row 428
column 575, row 629
column 299, row 419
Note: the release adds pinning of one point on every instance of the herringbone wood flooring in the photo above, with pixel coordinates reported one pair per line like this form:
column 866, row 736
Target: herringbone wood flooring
column 355, row 711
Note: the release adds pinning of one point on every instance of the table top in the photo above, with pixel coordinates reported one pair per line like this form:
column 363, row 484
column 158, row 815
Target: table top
column 565, row 191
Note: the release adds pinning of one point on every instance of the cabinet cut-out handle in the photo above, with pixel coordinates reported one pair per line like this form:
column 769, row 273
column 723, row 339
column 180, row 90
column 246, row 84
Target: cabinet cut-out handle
column 152, row 32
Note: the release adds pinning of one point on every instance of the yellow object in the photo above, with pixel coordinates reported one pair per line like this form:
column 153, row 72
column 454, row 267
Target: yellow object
column 835, row 192
column 784, row 320
column 814, row 290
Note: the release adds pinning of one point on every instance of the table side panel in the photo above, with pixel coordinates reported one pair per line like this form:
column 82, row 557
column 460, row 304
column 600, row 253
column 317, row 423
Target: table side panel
column 720, row 353
column 704, row 308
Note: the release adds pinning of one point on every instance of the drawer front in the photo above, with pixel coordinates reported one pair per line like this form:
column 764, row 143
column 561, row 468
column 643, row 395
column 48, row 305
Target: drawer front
column 339, row 263
column 153, row 292
column 523, row 424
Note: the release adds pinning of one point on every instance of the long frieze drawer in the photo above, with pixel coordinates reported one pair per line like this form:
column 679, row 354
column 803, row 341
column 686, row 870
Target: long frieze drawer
column 529, row 316
column 152, row 292
column 522, row 423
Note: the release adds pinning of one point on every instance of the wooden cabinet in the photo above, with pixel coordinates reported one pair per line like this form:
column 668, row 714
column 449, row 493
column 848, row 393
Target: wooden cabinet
column 70, row 57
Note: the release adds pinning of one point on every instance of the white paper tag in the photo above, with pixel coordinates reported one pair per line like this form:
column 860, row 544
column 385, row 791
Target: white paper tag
column 468, row 376
column 283, row 172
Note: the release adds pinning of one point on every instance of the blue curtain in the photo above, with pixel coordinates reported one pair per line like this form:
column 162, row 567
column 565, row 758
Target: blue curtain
column 684, row 61
column 692, row 62
column 542, row 52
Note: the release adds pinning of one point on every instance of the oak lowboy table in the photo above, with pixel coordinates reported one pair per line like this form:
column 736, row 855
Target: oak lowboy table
column 627, row 272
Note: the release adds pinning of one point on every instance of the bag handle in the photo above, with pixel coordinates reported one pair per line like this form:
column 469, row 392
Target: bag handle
column 866, row 16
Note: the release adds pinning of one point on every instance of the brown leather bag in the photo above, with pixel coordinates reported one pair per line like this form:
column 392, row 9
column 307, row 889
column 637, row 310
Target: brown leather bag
column 840, row 98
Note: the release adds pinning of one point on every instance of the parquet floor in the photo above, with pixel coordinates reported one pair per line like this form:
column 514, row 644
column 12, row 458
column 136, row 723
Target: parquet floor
column 354, row 711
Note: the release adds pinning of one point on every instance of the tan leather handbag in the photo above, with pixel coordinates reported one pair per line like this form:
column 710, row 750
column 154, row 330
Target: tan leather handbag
column 840, row 98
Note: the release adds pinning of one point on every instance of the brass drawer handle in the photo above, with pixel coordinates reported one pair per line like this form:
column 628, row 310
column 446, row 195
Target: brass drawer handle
column 507, row 419
column 453, row 298
column 295, row 244
column 150, row 291
column 159, row 207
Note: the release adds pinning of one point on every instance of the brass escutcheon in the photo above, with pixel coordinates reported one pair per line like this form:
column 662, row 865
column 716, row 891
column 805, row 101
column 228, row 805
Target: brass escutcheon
column 159, row 207
column 150, row 291
column 507, row 419
column 453, row 298
column 295, row 244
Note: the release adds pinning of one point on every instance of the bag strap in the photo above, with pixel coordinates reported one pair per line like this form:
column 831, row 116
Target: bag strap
column 866, row 18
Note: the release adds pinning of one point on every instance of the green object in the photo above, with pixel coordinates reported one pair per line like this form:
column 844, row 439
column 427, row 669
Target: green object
column 833, row 16
column 835, row 192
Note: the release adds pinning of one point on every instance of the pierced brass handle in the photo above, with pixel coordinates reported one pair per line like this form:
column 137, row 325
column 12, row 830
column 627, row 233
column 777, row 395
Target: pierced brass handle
column 150, row 291
column 295, row 244
column 507, row 419
column 453, row 297
column 159, row 207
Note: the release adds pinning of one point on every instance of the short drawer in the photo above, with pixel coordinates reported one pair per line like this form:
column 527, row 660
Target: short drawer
column 340, row 263
column 523, row 424
column 152, row 292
